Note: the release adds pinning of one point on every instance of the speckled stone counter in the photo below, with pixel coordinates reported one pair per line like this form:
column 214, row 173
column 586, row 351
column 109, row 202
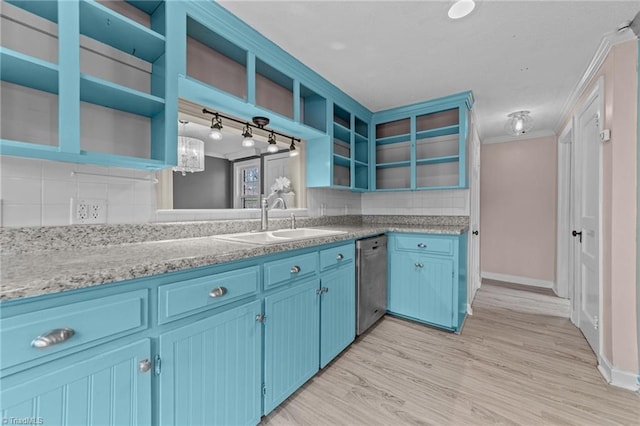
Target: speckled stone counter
column 39, row 272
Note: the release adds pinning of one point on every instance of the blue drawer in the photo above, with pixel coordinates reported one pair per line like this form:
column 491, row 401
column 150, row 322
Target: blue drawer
column 71, row 325
column 281, row 272
column 184, row 298
column 420, row 243
column 336, row 256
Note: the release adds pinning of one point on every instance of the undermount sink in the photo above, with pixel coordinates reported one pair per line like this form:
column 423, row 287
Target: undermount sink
column 279, row 236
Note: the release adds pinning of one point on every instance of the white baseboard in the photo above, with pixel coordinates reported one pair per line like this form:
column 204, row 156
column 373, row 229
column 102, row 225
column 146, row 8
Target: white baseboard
column 534, row 282
column 616, row 377
column 469, row 309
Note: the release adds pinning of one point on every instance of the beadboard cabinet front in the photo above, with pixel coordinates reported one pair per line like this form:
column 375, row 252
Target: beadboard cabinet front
column 428, row 279
column 291, row 343
column 110, row 388
column 211, row 370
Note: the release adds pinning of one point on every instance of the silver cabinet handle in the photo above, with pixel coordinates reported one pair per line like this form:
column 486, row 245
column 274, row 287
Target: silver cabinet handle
column 419, row 265
column 53, row 337
column 295, row 269
column 144, row 365
column 261, row 318
column 218, row 292
column 325, row 289
column 422, row 245
column 339, row 256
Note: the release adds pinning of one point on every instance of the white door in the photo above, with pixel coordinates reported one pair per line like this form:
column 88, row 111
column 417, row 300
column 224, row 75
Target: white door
column 589, row 172
column 474, row 237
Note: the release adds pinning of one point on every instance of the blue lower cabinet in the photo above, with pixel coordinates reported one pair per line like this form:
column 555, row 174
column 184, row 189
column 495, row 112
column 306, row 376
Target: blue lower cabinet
column 422, row 288
column 427, row 279
column 337, row 312
column 291, row 340
column 106, row 389
column 211, row 370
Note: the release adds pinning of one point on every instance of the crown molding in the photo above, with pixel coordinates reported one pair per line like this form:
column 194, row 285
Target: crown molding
column 510, row 138
column 609, row 40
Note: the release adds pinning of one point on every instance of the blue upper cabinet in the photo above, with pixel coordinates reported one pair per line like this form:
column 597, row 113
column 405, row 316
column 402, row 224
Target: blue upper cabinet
column 422, row 146
column 105, row 69
column 124, row 65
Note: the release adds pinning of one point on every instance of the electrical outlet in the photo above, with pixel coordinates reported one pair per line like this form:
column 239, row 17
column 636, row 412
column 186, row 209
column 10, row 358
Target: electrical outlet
column 88, row 210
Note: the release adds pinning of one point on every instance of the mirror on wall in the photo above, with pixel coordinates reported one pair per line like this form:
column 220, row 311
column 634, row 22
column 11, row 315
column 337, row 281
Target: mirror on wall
column 234, row 175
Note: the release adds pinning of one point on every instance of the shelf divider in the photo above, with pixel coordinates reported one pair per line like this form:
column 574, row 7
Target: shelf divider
column 109, row 27
column 28, row 71
column 111, row 95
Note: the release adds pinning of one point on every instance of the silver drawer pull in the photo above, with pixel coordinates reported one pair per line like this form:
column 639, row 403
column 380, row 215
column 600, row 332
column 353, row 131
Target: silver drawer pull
column 295, row 269
column 144, row 365
column 422, row 245
column 419, row 265
column 218, row 292
column 339, row 256
column 53, row 337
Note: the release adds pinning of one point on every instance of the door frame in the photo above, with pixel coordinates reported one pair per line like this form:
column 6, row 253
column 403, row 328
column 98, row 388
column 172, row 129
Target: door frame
column 596, row 95
column 475, row 280
column 563, row 285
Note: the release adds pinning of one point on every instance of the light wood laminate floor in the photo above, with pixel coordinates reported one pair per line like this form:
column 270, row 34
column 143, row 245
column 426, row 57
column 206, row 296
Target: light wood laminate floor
column 507, row 367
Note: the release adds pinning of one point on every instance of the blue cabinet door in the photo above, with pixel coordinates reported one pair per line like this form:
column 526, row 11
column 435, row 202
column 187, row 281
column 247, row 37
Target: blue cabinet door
column 337, row 312
column 211, row 370
column 107, row 389
column 291, row 340
column 422, row 287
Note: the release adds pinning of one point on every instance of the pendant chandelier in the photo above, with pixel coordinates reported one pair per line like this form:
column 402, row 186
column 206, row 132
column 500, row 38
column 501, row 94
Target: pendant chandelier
column 190, row 154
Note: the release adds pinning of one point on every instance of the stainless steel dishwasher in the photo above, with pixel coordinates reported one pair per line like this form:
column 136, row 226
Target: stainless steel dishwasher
column 371, row 277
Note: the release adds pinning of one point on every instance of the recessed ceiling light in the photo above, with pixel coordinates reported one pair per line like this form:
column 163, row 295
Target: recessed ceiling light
column 461, row 8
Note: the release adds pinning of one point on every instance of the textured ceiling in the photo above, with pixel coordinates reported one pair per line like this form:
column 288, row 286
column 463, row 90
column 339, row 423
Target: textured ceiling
column 513, row 55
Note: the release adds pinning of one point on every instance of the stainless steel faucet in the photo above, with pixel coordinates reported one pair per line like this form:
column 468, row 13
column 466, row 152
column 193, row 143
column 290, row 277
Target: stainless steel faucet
column 264, row 210
column 293, row 221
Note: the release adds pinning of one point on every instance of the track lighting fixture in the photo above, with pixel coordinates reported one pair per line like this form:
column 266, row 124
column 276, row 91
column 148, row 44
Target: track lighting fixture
column 248, row 141
column 292, row 149
column 272, row 147
column 259, row 123
column 216, row 127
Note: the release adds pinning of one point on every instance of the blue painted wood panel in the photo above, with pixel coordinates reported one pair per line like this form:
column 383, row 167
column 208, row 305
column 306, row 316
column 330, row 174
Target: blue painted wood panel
column 422, row 287
column 291, row 341
column 211, row 370
column 106, row 389
column 337, row 312
column 126, row 314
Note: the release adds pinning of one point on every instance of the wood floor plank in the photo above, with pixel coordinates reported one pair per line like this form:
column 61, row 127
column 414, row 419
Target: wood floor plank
column 507, row 367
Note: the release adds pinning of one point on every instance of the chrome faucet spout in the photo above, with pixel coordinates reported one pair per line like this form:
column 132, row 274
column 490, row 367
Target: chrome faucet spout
column 264, row 209
column 264, row 215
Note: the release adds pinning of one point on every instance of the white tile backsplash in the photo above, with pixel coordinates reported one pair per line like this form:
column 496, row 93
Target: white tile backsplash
column 21, row 190
column 454, row 202
column 39, row 192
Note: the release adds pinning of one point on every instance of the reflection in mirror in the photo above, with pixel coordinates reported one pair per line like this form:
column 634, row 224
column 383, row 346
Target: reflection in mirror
column 234, row 175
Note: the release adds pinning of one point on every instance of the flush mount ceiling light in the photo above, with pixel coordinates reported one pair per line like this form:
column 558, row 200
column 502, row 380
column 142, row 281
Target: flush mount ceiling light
column 461, row 8
column 272, row 143
column 519, row 123
column 216, row 127
column 292, row 149
column 248, row 141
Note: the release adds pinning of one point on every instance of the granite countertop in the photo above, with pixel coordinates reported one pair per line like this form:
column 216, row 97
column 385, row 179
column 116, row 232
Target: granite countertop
column 45, row 272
